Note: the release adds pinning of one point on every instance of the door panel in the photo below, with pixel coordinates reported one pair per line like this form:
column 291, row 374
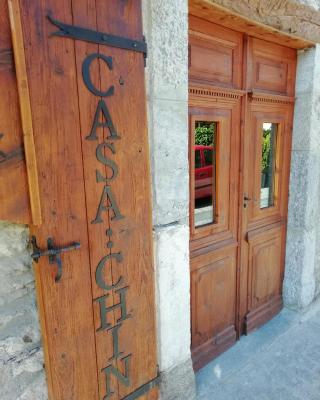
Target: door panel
column 263, row 219
column 213, row 294
column 206, row 104
column 214, row 246
column 208, row 41
column 260, row 114
column 265, row 257
column 271, row 68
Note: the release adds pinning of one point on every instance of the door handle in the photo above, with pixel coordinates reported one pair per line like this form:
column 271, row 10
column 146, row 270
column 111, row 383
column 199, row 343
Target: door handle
column 54, row 253
column 246, row 199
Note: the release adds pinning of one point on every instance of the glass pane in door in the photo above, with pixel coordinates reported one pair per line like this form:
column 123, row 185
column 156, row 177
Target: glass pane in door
column 268, row 164
column 205, row 172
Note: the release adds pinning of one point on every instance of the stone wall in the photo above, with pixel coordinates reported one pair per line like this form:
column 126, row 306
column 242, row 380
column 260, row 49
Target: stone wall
column 298, row 17
column 21, row 361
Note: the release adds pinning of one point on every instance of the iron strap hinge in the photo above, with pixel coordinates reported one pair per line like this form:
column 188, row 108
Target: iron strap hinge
column 143, row 389
column 54, row 253
column 89, row 35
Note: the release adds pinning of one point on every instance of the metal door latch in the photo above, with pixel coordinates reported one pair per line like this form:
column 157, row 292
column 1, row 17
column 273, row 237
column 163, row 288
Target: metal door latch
column 54, row 253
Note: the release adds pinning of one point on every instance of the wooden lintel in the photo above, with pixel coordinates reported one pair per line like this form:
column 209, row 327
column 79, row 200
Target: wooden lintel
column 206, row 9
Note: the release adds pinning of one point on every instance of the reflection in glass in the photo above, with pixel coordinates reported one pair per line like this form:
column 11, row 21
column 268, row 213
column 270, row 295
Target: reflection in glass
column 205, row 165
column 269, row 141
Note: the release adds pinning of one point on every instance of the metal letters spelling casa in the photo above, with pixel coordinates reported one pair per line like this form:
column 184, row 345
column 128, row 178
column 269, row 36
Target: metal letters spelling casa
column 107, row 201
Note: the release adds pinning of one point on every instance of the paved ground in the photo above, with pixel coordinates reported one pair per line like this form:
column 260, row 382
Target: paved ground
column 281, row 361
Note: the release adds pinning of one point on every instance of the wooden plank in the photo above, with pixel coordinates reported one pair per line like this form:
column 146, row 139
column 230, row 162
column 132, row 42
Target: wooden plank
column 25, row 109
column 132, row 234
column 85, row 15
column 66, row 309
column 71, row 314
column 215, row 13
column 14, row 199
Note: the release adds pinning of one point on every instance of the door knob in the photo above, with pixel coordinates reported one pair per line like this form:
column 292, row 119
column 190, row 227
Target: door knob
column 53, row 253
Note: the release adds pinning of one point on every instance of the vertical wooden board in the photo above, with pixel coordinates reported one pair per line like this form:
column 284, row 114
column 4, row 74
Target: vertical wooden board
column 132, row 234
column 25, row 111
column 14, row 199
column 85, row 15
column 67, row 315
column 63, row 113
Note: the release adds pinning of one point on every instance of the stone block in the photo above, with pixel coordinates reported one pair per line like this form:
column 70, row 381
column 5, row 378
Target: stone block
column 17, row 279
column 178, row 383
column 305, row 71
column 306, row 124
column 302, row 122
column 317, row 262
column 296, row 17
column 168, row 121
column 304, row 190
column 36, row 391
column 20, row 376
column 299, row 282
column 166, row 30
column 13, row 240
column 173, row 295
column 21, row 359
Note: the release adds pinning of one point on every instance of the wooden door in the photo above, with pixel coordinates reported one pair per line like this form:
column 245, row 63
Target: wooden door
column 215, row 110
column 270, row 80
column 237, row 87
column 88, row 112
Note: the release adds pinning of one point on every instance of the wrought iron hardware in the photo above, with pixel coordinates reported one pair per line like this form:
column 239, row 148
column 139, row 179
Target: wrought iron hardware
column 246, row 199
column 17, row 153
column 144, row 389
column 53, row 253
column 89, row 35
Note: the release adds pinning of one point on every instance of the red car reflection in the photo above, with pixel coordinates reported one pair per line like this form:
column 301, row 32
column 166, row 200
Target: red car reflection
column 203, row 171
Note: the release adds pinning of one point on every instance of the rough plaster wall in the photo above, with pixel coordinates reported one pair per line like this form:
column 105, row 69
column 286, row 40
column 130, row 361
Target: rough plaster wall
column 299, row 17
column 21, row 361
column 166, row 30
column 302, row 276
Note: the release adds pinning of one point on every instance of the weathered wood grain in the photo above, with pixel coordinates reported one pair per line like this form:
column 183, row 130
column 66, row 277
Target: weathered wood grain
column 14, row 196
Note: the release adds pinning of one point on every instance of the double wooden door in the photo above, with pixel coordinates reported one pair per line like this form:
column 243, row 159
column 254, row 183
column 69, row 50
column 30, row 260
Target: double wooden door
column 82, row 114
column 241, row 98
